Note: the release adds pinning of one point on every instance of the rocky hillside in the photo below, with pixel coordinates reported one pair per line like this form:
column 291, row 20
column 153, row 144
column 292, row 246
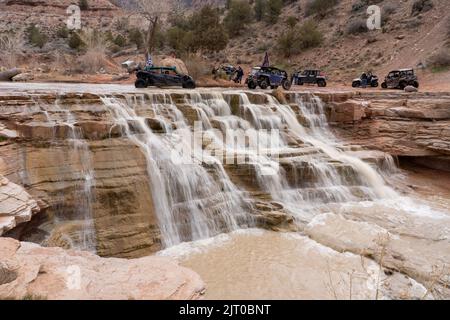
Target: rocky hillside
column 408, row 38
column 415, row 33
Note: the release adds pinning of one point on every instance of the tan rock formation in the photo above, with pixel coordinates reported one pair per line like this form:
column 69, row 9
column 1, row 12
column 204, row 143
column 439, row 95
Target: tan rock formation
column 16, row 205
column 32, row 272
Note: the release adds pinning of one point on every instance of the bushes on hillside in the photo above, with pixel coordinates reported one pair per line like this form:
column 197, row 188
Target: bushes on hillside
column 273, row 10
column 63, row 32
column 75, row 41
column 294, row 40
column 83, row 4
column 135, row 37
column 238, row 17
column 205, row 32
column 357, row 26
column 268, row 10
column 440, row 60
column 320, row 7
column 421, row 6
column 36, row 37
column 260, row 9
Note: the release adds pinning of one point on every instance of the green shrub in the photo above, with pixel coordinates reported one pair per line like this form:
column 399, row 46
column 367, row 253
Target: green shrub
column 273, row 10
column 83, row 4
column 35, row 37
column 135, row 37
column 63, row 32
column 291, row 21
column 421, row 6
column 294, row 40
column 260, row 9
column 120, row 41
column 202, row 30
column 357, row 26
column 310, row 35
column 75, row 41
column 238, row 17
column 320, row 7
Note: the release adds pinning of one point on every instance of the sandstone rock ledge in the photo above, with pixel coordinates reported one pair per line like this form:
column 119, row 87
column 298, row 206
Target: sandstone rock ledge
column 16, row 205
column 30, row 271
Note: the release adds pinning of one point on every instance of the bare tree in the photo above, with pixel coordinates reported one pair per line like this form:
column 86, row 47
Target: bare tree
column 155, row 12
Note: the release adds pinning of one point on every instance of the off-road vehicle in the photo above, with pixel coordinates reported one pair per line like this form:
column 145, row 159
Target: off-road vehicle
column 400, row 79
column 161, row 77
column 265, row 77
column 372, row 80
column 311, row 77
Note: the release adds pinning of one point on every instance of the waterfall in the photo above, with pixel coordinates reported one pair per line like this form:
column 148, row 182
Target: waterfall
column 191, row 201
column 85, row 176
column 301, row 167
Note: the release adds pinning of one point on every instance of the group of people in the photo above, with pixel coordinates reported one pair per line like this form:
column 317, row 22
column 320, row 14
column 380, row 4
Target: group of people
column 232, row 73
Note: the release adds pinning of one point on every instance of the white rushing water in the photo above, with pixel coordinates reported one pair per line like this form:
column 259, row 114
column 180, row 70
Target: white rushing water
column 84, row 175
column 191, row 201
column 302, row 167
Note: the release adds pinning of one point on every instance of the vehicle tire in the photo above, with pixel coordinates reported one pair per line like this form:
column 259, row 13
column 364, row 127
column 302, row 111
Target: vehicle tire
column 355, row 84
column 286, row 84
column 140, row 84
column 374, row 84
column 322, row 83
column 188, row 84
column 402, row 85
column 252, row 85
column 416, row 84
column 384, row 85
column 264, row 84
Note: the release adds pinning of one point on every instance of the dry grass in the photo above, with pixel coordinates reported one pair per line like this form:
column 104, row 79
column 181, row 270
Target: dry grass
column 196, row 66
column 95, row 57
column 11, row 48
column 440, row 60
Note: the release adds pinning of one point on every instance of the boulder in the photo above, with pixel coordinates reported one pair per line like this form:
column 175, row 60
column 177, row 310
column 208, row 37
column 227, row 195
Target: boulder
column 174, row 62
column 16, row 205
column 28, row 271
column 8, row 75
column 411, row 89
column 23, row 77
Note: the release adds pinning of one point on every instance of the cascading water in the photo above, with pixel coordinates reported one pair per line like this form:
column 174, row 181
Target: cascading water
column 85, row 192
column 191, row 201
column 196, row 199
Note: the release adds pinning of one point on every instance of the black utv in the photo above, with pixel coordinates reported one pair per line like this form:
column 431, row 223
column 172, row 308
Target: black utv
column 400, row 79
column 309, row 77
column 161, row 77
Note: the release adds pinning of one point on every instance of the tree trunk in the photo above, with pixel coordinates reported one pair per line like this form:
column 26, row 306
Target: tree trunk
column 9, row 74
column 151, row 35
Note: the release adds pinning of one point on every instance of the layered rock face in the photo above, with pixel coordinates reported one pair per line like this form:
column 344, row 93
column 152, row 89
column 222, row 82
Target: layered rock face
column 56, row 165
column 17, row 206
column 403, row 125
column 89, row 161
column 28, row 271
